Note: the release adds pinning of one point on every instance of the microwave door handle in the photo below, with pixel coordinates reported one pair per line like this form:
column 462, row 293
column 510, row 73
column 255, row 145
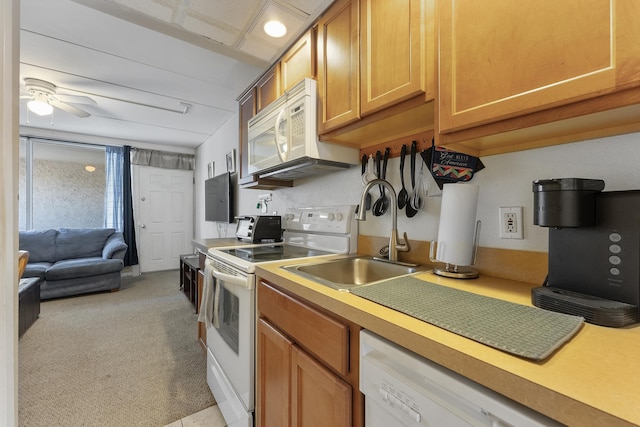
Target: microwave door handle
column 284, row 152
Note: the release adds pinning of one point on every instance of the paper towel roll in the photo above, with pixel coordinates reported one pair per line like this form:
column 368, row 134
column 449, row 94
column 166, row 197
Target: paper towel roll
column 457, row 224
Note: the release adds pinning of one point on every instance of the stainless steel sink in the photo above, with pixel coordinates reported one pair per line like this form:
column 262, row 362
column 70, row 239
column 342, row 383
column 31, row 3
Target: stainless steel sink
column 348, row 273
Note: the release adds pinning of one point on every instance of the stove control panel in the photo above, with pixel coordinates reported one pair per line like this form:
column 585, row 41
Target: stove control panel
column 328, row 219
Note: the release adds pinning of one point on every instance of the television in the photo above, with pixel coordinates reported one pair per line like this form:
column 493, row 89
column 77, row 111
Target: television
column 218, row 198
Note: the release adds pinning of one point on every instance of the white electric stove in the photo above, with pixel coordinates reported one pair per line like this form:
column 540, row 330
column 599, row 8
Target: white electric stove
column 229, row 298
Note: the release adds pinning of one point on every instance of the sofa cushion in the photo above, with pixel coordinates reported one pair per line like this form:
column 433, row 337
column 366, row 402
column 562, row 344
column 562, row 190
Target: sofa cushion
column 114, row 244
column 81, row 242
column 41, row 245
column 36, row 269
column 83, row 267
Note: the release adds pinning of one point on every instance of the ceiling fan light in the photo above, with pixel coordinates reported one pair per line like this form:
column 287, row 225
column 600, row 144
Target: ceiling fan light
column 275, row 29
column 40, row 107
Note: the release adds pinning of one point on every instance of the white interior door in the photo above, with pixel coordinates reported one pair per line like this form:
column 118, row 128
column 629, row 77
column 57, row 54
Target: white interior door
column 165, row 217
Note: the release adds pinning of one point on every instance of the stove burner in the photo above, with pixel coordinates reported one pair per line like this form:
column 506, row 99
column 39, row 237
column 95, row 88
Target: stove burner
column 272, row 253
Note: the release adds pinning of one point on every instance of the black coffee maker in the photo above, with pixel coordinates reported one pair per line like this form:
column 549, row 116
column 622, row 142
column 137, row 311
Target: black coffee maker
column 594, row 250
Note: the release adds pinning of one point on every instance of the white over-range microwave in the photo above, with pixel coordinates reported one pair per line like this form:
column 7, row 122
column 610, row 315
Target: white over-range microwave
column 283, row 138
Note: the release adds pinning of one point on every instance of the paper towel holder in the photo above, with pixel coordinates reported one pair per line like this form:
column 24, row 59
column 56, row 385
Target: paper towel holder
column 454, row 271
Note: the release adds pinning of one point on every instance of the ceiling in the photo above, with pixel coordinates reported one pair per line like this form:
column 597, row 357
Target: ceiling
column 164, row 72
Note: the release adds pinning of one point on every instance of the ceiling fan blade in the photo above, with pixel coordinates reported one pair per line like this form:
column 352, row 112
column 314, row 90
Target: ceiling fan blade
column 76, row 99
column 69, row 109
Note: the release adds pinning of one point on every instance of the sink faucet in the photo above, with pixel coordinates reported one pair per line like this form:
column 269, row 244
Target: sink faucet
column 395, row 245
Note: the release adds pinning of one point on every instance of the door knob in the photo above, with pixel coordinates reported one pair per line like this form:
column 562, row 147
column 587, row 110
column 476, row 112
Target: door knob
column 143, row 226
column 143, row 199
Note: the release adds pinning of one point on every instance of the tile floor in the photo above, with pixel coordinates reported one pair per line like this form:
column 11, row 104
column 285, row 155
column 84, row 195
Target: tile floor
column 210, row 417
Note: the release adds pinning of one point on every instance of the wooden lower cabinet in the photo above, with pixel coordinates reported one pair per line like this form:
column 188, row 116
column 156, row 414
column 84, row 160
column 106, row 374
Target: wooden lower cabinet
column 274, row 377
column 295, row 386
column 318, row 397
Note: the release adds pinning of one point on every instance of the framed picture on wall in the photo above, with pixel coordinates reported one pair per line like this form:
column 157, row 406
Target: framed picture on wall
column 231, row 161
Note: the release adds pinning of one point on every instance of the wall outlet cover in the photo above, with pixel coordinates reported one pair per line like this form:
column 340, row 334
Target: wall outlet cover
column 511, row 225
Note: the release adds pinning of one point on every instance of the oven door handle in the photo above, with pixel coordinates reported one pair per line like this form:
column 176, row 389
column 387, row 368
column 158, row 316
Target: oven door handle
column 237, row 281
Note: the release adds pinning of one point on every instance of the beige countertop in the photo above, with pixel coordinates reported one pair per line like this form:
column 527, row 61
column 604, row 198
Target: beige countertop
column 592, row 380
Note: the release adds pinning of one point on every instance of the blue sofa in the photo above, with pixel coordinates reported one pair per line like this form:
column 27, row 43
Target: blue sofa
column 73, row 261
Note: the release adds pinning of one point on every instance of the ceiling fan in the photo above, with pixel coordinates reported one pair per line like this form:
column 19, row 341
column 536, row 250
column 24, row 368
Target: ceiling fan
column 43, row 99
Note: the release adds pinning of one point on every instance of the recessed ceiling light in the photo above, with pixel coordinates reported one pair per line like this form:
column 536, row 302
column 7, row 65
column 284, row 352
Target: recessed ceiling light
column 275, row 29
column 90, row 168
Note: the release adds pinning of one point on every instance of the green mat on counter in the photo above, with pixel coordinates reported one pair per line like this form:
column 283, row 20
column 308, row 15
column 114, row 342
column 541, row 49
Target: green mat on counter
column 522, row 330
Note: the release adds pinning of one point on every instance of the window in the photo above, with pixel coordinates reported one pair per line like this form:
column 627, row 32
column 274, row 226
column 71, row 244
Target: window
column 61, row 185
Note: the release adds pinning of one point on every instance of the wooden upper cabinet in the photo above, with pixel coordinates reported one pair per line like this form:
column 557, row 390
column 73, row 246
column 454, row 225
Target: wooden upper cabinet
column 392, row 51
column 338, row 65
column 299, row 61
column 268, row 87
column 504, row 58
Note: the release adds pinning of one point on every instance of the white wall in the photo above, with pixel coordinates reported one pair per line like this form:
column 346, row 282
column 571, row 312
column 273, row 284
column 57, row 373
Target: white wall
column 506, row 181
column 9, row 47
column 215, row 150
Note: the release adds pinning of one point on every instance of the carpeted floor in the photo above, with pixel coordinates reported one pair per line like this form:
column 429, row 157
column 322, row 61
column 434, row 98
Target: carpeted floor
column 127, row 358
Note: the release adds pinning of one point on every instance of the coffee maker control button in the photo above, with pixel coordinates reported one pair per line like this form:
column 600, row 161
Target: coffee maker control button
column 614, row 271
column 615, row 260
column 615, row 249
column 615, row 237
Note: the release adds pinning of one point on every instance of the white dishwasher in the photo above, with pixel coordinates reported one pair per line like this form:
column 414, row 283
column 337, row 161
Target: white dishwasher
column 404, row 389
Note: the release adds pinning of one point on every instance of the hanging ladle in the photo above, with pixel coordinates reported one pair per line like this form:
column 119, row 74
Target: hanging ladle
column 381, row 205
column 403, row 196
column 410, row 210
column 365, row 180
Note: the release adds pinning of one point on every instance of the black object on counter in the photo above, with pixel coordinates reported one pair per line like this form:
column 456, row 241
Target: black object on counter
column 565, row 202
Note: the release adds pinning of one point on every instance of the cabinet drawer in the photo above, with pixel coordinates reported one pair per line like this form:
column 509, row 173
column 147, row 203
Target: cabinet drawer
column 321, row 335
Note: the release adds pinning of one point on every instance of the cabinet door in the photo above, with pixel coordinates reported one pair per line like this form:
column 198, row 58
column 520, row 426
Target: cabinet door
column 506, row 58
column 318, row 396
column 299, row 62
column 273, row 377
column 392, row 52
column 247, row 111
column 338, row 65
column 322, row 335
column 268, row 87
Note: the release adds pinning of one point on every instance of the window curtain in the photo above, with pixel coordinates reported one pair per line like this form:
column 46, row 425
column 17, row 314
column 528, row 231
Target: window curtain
column 162, row 159
column 118, row 198
column 113, row 213
column 129, row 229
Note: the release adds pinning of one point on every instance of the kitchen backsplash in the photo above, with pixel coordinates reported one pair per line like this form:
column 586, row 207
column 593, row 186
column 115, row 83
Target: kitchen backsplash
column 505, row 181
